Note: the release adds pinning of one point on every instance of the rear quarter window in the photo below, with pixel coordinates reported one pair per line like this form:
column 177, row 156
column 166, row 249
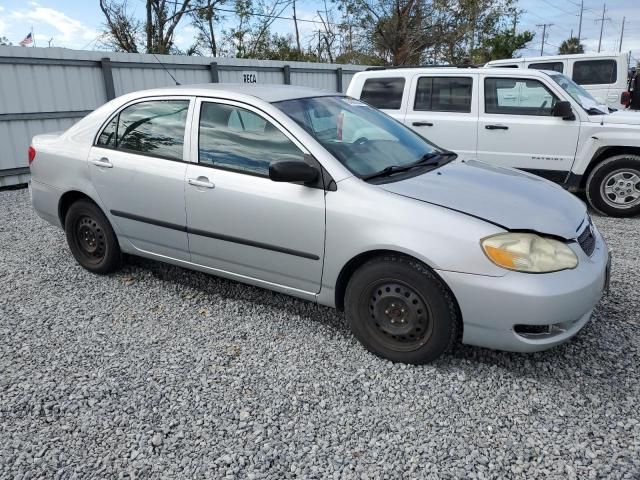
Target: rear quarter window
column 384, row 93
column 553, row 66
column 595, row 72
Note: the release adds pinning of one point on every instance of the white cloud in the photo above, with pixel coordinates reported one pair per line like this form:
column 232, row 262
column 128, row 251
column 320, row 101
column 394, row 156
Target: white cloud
column 50, row 22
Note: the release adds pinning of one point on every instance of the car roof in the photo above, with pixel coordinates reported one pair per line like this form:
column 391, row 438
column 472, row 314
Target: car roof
column 267, row 92
column 457, row 71
column 558, row 58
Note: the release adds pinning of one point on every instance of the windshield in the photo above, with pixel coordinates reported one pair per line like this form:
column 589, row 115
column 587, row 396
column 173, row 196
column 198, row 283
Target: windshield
column 579, row 94
column 363, row 139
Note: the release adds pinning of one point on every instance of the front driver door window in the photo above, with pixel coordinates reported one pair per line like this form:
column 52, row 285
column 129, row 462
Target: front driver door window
column 243, row 223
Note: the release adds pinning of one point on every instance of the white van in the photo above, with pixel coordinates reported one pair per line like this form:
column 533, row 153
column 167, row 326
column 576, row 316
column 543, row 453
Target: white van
column 539, row 121
column 603, row 75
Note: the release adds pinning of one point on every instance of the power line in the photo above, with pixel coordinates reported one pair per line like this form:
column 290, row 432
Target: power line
column 561, row 9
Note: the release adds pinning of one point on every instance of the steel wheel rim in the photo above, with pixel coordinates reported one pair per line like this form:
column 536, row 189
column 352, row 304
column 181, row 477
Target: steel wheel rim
column 90, row 240
column 399, row 317
column 621, row 188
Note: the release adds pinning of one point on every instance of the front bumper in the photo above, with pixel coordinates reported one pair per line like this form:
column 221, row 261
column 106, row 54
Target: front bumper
column 491, row 307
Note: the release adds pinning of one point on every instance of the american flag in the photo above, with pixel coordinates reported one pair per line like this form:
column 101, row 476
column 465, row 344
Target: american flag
column 28, row 40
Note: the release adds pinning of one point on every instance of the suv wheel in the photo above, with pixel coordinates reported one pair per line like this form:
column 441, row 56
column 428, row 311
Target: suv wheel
column 91, row 238
column 401, row 311
column 613, row 187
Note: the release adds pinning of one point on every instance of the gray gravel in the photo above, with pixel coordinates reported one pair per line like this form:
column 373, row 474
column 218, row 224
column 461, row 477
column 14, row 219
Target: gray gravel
column 159, row 372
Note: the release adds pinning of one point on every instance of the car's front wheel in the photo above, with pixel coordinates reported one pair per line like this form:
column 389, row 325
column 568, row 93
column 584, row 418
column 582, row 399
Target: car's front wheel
column 613, row 187
column 91, row 239
column 400, row 310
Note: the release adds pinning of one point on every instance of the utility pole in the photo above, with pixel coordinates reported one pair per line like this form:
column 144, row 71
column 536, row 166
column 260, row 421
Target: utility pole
column 602, row 20
column 544, row 35
column 621, row 34
column 580, row 24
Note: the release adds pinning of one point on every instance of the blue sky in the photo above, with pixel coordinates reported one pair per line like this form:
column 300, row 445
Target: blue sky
column 77, row 24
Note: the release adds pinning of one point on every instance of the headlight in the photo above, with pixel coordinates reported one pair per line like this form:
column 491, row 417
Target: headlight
column 528, row 252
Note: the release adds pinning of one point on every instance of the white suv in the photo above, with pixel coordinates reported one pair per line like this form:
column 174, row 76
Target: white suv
column 538, row 121
column 603, row 75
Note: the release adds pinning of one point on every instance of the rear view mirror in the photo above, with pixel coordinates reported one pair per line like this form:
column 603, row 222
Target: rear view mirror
column 292, row 171
column 563, row 109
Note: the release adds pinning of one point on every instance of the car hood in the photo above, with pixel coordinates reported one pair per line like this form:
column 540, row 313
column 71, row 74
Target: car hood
column 506, row 197
column 618, row 117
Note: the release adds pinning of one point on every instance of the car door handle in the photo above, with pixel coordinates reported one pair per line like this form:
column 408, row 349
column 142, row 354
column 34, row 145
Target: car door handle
column 102, row 162
column 422, row 124
column 496, row 127
column 202, row 182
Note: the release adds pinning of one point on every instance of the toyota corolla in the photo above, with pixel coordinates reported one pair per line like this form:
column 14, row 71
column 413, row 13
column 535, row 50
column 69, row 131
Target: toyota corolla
column 320, row 196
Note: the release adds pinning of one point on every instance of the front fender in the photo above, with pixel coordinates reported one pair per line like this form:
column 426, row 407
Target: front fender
column 363, row 218
column 596, row 141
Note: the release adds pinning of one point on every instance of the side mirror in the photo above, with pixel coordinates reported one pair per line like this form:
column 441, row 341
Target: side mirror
column 292, row 171
column 563, row 109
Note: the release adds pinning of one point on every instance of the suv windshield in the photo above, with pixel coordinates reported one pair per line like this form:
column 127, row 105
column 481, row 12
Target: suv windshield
column 365, row 140
column 580, row 95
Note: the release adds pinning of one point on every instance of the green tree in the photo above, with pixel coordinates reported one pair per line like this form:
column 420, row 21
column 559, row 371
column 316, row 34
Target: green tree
column 501, row 45
column 570, row 46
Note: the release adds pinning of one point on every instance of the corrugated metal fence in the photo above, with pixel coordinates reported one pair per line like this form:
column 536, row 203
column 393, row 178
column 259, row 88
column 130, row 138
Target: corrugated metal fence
column 48, row 89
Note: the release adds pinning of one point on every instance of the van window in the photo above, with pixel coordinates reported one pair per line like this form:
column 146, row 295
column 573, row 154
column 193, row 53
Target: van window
column 554, row 66
column 517, row 96
column 385, row 93
column 595, row 72
column 443, row 94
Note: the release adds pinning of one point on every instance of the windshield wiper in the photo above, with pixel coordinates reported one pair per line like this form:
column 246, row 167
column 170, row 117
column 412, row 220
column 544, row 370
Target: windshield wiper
column 431, row 158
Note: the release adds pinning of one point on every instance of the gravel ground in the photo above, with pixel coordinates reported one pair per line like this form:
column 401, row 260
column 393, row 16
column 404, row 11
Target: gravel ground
column 159, row 372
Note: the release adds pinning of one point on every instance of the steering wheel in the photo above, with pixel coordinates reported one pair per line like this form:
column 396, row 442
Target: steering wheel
column 361, row 141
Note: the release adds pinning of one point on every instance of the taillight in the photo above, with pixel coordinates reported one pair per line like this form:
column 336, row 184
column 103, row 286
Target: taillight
column 625, row 98
column 32, row 154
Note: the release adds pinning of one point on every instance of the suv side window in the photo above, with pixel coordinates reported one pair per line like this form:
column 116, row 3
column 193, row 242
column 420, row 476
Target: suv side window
column 384, row 93
column 154, row 128
column 595, row 72
column 553, row 66
column 517, row 96
column 443, row 94
column 233, row 138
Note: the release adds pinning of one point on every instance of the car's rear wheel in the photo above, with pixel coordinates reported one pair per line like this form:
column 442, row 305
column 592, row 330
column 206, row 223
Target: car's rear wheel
column 613, row 187
column 400, row 310
column 91, row 239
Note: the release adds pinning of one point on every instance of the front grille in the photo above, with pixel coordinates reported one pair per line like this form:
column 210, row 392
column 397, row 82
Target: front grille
column 587, row 239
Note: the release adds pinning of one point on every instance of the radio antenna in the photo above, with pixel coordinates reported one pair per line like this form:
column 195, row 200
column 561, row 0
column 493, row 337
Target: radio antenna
column 165, row 68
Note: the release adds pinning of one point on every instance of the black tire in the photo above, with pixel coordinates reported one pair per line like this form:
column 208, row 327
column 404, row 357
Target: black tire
column 400, row 310
column 621, row 172
column 91, row 239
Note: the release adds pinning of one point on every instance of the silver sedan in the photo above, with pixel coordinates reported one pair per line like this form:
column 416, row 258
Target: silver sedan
column 320, row 196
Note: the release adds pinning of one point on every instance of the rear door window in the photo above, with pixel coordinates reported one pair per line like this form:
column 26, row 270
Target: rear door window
column 553, row 66
column 595, row 72
column 383, row 93
column 153, row 128
column 443, row 94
